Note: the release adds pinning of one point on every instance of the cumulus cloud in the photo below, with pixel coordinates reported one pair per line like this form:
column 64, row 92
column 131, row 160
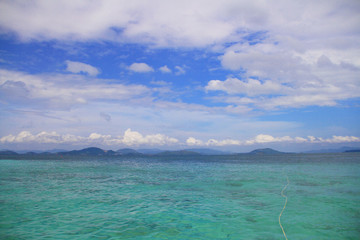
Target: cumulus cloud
column 191, row 141
column 140, row 68
column 250, row 87
column 322, row 89
column 194, row 142
column 165, row 69
column 136, row 138
column 263, row 138
column 98, row 137
column 79, row 67
column 291, row 74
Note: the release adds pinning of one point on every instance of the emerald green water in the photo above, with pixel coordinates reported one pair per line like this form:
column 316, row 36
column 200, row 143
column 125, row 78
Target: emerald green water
column 181, row 198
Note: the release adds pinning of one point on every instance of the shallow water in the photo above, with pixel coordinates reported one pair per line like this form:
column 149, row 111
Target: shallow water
column 213, row 197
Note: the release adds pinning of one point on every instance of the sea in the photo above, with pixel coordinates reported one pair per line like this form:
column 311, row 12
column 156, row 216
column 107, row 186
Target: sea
column 182, row 197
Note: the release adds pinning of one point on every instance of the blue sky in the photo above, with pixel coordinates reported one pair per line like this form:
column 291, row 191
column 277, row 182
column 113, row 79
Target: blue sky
column 232, row 75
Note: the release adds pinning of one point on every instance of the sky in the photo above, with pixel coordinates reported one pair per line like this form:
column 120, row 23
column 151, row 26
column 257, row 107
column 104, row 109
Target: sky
column 233, row 75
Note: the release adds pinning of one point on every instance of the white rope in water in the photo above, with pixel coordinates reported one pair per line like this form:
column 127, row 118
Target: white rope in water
column 282, row 194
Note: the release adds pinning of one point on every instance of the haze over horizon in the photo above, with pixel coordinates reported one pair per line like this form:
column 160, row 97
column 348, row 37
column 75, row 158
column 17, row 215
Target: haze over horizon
column 229, row 75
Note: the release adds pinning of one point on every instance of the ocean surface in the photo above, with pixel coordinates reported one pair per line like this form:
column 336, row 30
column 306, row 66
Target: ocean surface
column 201, row 197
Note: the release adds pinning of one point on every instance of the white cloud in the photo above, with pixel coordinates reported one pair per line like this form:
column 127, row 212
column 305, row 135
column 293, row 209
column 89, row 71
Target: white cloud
column 335, row 139
column 340, row 139
column 226, row 142
column 250, row 87
column 300, row 139
column 140, row 68
column 263, row 138
column 165, row 69
column 296, row 71
column 136, row 138
column 179, row 70
column 312, row 138
column 96, row 136
column 191, row 141
column 194, row 142
column 161, row 23
column 63, row 91
column 180, row 23
column 42, row 137
column 299, row 86
column 78, row 67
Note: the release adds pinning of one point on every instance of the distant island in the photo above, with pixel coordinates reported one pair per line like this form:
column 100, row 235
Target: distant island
column 355, row 150
column 263, row 151
column 95, row 151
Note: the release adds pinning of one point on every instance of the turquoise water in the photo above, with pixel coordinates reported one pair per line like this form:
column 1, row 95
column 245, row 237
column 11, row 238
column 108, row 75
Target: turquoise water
column 209, row 197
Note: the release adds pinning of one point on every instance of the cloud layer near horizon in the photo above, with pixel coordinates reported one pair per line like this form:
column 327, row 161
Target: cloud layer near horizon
column 134, row 138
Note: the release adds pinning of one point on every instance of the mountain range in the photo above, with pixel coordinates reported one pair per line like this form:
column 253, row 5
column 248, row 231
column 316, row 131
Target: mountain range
column 94, row 151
